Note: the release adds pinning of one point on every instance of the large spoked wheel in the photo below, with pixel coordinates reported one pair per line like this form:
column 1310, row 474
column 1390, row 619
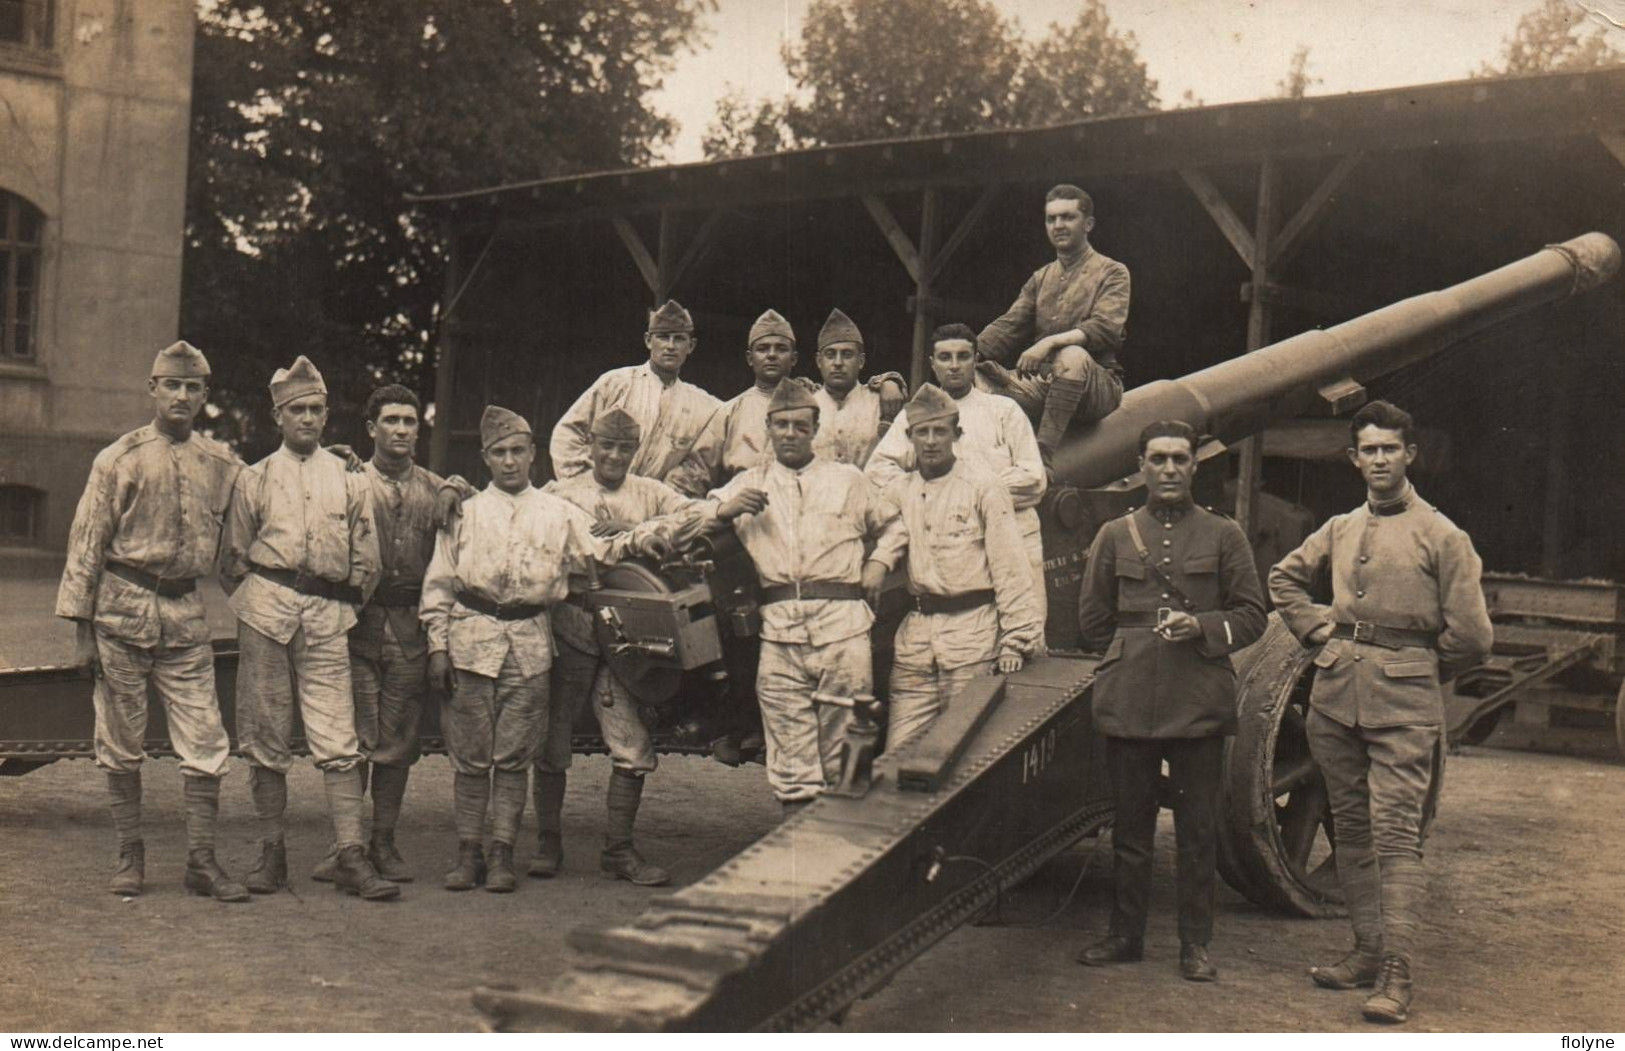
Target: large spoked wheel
column 1276, row 837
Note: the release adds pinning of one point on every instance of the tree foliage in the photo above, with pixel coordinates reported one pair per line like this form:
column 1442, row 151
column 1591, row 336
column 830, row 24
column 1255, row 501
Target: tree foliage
column 312, row 121
column 1553, row 37
column 1297, row 82
column 869, row 69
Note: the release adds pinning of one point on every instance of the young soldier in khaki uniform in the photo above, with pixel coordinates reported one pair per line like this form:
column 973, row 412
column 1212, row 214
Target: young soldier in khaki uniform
column 670, row 411
column 972, row 595
column 735, row 437
column 1170, row 591
column 1407, row 613
column 1067, row 324
column 994, row 435
column 301, row 559
column 804, row 523
column 852, row 416
column 617, row 501
column 497, row 568
column 147, row 527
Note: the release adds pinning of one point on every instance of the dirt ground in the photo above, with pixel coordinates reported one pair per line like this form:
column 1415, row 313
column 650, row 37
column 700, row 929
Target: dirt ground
column 1526, row 931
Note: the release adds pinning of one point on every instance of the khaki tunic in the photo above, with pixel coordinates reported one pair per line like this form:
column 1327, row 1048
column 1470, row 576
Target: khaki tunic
column 403, row 511
column 671, row 418
column 1089, row 293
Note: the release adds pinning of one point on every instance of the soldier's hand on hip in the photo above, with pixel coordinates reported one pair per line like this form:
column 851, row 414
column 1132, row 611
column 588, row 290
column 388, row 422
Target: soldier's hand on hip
column 746, row 502
column 1180, row 626
column 440, row 671
column 1319, row 635
column 84, row 648
column 1008, row 664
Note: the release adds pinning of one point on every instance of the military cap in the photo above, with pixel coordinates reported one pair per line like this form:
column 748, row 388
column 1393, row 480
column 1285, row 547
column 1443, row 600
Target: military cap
column 671, row 317
column 180, row 359
column 498, row 423
column 296, row 381
column 771, row 323
column 617, row 423
column 790, row 394
column 838, row 328
column 930, row 403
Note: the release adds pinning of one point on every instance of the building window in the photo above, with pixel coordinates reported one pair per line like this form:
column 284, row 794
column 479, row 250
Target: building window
column 25, row 22
column 20, row 512
column 20, row 226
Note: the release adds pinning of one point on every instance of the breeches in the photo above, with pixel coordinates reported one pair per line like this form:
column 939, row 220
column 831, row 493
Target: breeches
column 581, row 678
column 498, row 722
column 1377, row 782
column 184, row 678
column 806, row 694
column 1196, row 768
column 272, row 677
column 389, row 696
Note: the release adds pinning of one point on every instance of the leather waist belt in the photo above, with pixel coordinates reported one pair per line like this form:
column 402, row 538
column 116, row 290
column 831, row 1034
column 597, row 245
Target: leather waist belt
column 398, row 595
column 952, row 603
column 807, row 590
column 1389, row 638
column 499, row 610
column 306, row 584
column 172, row 587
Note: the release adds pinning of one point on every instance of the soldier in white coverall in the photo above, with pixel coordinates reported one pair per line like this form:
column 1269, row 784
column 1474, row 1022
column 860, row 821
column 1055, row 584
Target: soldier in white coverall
column 301, row 558
column 147, row 527
column 971, row 595
column 852, row 416
column 804, row 522
column 617, row 501
column 995, row 435
column 496, row 571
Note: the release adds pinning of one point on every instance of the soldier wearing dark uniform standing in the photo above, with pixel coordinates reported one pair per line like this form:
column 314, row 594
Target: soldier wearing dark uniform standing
column 1172, row 588
column 1407, row 613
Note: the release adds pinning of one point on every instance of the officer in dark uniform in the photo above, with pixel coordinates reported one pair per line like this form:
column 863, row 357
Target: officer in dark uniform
column 1170, row 591
column 1407, row 613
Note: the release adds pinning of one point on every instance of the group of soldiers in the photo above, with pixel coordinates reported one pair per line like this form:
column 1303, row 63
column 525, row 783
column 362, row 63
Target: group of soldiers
column 360, row 588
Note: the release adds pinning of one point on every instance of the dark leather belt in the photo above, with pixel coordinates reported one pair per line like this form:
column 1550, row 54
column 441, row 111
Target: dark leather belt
column 501, row 610
column 170, row 587
column 306, row 584
column 952, row 603
column 1389, row 638
column 808, row 590
column 397, row 596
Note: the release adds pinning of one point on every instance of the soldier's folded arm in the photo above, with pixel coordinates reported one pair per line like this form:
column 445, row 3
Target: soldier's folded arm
column 1014, row 330
column 1242, row 620
column 1289, row 583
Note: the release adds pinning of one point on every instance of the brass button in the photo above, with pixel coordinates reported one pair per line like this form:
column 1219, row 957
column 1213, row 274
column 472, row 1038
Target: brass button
column 1365, row 558
column 1359, row 594
column 1358, row 658
column 1167, row 543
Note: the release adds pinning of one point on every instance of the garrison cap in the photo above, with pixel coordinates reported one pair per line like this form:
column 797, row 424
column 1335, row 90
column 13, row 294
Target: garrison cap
column 296, row 381
column 617, row 423
column 791, row 394
column 838, row 328
column 930, row 403
column 771, row 323
column 180, row 359
column 671, row 317
column 498, row 423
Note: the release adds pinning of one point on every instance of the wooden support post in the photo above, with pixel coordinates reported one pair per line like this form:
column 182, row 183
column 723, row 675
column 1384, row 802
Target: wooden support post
column 1301, row 225
column 446, row 363
column 1251, row 450
column 922, row 290
column 641, row 258
column 696, row 248
column 665, row 256
column 962, row 232
column 1225, row 217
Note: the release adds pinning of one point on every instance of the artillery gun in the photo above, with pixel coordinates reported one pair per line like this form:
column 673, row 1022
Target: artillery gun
column 826, row 907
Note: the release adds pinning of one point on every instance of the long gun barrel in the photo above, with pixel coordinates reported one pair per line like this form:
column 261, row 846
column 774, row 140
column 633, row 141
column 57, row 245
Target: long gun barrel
column 1242, row 396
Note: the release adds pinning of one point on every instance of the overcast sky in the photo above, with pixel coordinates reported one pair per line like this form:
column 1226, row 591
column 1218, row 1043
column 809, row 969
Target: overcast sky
column 1223, row 50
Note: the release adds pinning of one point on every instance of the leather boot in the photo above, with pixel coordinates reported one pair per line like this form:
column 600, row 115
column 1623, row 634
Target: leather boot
column 386, row 859
column 1391, row 1001
column 1114, row 948
column 205, row 878
column 1357, row 970
column 326, row 870
column 131, row 873
column 271, row 874
column 469, row 872
column 501, row 879
column 620, row 859
column 355, row 875
column 549, row 857
column 1194, row 966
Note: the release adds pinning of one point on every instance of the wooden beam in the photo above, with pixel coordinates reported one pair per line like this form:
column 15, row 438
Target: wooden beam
column 962, row 232
column 665, row 255
column 696, row 247
column 1251, row 450
column 1613, row 142
column 1234, row 230
column 1298, row 228
column 640, row 253
column 922, row 288
column 893, row 231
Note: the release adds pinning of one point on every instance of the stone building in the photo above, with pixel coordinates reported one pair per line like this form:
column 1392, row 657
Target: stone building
column 95, row 98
